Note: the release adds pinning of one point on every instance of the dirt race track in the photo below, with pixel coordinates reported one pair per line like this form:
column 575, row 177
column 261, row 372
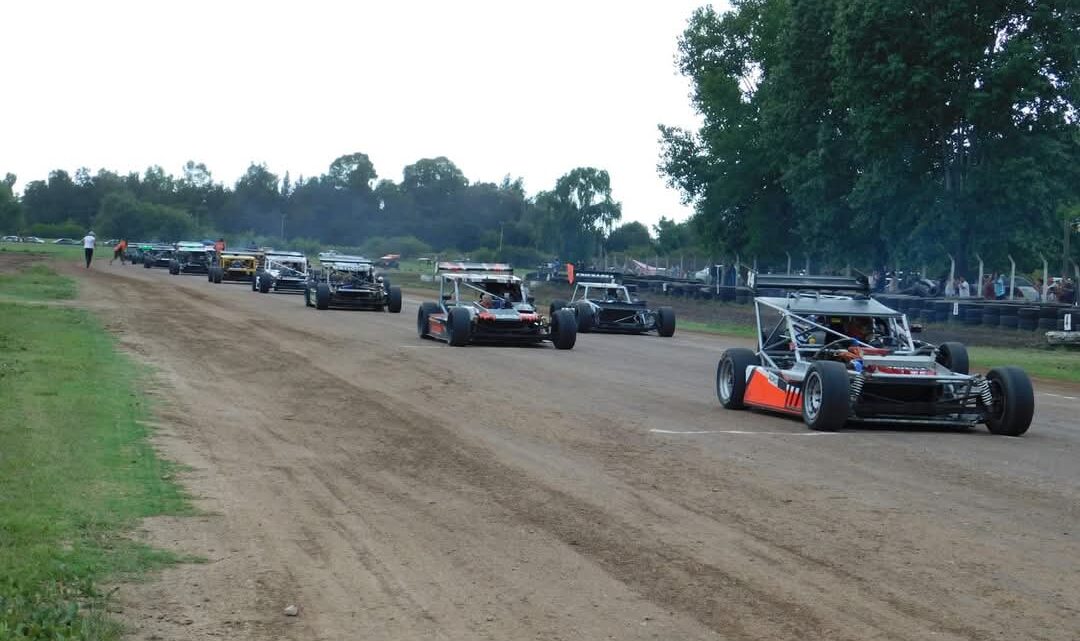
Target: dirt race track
column 394, row 488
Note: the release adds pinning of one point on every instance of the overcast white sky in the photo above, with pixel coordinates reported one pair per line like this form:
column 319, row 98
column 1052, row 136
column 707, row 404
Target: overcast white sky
column 530, row 89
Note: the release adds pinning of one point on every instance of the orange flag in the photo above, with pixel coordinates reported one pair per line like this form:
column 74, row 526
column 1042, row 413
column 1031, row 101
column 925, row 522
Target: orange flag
column 570, row 272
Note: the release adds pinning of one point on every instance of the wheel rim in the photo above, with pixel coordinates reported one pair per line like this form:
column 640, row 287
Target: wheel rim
column 727, row 379
column 997, row 410
column 812, row 396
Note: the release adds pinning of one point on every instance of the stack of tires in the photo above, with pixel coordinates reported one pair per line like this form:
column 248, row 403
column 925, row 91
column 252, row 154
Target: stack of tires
column 1008, row 317
column 1048, row 317
column 973, row 314
column 1027, row 318
column 991, row 315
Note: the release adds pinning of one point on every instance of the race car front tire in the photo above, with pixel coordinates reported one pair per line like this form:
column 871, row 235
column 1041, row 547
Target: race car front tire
column 556, row 305
column 954, row 357
column 322, row 296
column 146, row 263
column 174, row 267
column 394, row 304
column 665, row 321
column 563, row 329
column 265, row 283
column 585, row 316
column 1014, row 401
column 731, row 376
column 459, row 326
column 422, row 316
column 826, row 396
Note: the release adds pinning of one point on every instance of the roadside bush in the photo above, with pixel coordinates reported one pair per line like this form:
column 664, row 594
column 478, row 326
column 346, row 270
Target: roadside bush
column 69, row 229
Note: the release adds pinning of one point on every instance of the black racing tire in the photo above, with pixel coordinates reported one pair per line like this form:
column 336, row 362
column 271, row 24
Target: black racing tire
column 954, row 357
column 394, row 304
column 459, row 326
column 216, row 274
column 426, row 310
column 1047, row 324
column 265, row 282
column 563, row 329
column 174, row 267
column 1014, row 401
column 146, row 262
column 322, row 296
column 826, row 400
column 665, row 321
column 731, row 376
column 586, row 318
column 307, row 297
column 1009, row 322
column 555, row 306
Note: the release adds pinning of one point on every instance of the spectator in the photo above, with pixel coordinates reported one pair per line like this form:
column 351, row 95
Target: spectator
column 1039, row 288
column 88, row 247
column 118, row 251
column 963, row 289
column 999, row 287
column 988, row 286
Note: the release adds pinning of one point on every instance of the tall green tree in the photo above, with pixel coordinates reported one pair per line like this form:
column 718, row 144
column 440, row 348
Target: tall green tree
column 11, row 218
column 880, row 131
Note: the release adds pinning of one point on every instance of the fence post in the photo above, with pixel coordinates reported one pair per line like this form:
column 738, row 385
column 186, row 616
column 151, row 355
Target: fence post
column 807, row 263
column 1012, row 277
column 980, row 283
column 951, row 283
column 1045, row 277
column 788, row 263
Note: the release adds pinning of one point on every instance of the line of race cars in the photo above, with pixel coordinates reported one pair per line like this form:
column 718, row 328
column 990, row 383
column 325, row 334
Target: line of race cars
column 827, row 351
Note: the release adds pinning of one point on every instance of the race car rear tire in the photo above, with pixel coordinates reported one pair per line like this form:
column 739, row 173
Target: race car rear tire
column 174, row 267
column 322, row 296
column 394, row 304
column 265, row 283
column 426, row 310
column 826, row 396
column 563, row 329
column 459, row 326
column 954, row 357
column 731, row 376
column 217, row 274
column 585, row 317
column 665, row 321
column 555, row 306
column 1014, row 401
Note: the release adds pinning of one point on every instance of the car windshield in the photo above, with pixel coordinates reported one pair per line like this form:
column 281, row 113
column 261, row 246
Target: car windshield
column 492, row 294
column 606, row 293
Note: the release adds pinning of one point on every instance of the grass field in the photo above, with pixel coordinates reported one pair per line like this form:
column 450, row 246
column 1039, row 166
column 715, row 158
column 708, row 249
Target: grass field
column 1056, row 364
column 76, row 472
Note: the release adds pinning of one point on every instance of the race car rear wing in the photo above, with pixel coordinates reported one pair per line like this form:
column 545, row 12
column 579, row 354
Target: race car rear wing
column 597, row 277
column 490, row 268
column 794, row 282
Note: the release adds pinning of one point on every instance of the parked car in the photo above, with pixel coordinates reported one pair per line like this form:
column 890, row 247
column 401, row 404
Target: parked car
column 65, row 241
column 10, row 239
column 32, row 239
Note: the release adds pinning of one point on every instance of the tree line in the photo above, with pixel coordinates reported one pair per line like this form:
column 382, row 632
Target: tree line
column 881, row 132
column 433, row 209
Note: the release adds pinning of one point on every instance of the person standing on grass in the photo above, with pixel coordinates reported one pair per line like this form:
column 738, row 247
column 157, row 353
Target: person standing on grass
column 118, row 251
column 88, row 247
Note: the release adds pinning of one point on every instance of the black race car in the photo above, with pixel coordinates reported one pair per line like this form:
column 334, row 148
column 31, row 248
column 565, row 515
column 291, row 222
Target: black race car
column 349, row 282
column 486, row 303
column 602, row 304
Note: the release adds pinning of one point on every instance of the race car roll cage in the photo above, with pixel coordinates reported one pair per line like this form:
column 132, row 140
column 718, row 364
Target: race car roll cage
column 345, row 269
column 460, row 274
column 276, row 260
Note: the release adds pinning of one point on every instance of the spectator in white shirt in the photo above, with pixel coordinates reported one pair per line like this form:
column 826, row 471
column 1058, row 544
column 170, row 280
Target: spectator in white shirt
column 963, row 289
column 88, row 247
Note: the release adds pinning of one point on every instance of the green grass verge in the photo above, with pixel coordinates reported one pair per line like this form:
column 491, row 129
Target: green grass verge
column 1053, row 364
column 725, row 329
column 76, row 471
column 36, row 282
